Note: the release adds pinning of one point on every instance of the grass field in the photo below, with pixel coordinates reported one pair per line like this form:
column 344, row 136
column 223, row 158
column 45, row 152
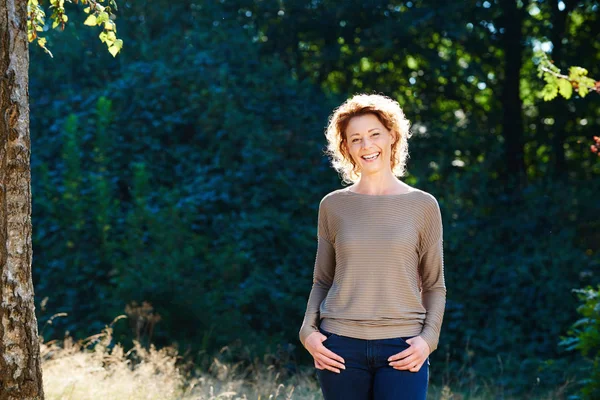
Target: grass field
column 96, row 368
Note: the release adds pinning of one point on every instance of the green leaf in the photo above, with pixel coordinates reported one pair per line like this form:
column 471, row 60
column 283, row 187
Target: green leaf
column 110, row 25
column 102, row 17
column 576, row 72
column 550, row 91
column 115, row 48
column 551, row 79
column 540, row 72
column 90, row 21
column 103, row 36
column 86, row 10
column 565, row 88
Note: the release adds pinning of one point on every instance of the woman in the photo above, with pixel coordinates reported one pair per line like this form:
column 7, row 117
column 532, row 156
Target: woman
column 377, row 302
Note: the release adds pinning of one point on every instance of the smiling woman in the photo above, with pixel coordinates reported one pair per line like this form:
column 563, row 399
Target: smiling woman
column 383, row 118
column 369, row 140
column 375, row 310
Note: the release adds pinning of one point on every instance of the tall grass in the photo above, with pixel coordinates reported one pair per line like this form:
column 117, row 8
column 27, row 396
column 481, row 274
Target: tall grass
column 96, row 368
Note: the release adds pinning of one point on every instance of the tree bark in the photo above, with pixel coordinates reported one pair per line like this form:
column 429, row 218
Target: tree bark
column 20, row 366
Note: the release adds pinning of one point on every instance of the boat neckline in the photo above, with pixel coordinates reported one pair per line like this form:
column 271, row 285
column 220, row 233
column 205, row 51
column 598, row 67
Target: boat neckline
column 347, row 190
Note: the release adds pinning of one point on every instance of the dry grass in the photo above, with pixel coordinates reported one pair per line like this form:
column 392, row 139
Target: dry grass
column 96, row 368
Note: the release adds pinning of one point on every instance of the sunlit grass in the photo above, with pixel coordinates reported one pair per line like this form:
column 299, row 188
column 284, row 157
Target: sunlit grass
column 96, row 368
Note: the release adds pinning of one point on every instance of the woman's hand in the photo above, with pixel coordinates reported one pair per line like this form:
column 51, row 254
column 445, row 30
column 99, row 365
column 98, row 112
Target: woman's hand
column 324, row 358
column 412, row 358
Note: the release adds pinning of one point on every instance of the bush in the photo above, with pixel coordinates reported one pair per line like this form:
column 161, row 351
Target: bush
column 584, row 336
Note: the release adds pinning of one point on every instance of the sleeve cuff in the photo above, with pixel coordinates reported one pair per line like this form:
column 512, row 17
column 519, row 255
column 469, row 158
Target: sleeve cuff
column 431, row 339
column 305, row 331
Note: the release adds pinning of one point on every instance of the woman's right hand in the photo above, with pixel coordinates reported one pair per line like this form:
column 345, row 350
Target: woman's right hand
column 324, row 358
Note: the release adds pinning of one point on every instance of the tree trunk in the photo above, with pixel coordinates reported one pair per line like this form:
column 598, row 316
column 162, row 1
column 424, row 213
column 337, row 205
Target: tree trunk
column 20, row 369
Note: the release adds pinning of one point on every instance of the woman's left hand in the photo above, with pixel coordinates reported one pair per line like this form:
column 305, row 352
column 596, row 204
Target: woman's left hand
column 412, row 358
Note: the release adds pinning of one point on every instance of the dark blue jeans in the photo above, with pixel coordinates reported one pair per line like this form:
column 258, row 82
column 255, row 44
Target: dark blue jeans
column 368, row 375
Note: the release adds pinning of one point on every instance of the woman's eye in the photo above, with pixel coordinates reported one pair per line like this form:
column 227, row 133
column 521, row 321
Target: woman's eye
column 354, row 141
column 376, row 133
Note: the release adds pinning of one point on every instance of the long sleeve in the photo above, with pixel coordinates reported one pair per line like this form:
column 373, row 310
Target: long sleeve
column 431, row 267
column 324, row 271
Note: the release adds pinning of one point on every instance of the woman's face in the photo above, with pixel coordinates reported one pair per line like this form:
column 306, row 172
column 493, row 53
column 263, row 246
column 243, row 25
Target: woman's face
column 369, row 143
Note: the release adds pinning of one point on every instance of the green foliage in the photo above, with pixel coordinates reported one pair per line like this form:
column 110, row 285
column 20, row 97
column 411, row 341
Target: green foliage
column 187, row 173
column 563, row 84
column 99, row 14
column 201, row 218
column 584, row 335
column 510, row 277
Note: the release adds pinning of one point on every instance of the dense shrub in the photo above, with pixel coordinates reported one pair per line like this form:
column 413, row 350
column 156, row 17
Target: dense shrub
column 584, row 335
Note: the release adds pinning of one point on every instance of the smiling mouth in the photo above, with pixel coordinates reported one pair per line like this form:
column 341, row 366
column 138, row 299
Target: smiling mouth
column 371, row 157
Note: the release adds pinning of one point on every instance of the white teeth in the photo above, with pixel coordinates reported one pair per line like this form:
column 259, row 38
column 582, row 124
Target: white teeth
column 371, row 157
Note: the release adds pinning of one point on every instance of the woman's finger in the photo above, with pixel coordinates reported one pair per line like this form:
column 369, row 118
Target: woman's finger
column 331, row 354
column 325, row 365
column 323, row 359
column 402, row 355
column 318, row 364
column 417, row 368
column 329, row 367
column 406, row 363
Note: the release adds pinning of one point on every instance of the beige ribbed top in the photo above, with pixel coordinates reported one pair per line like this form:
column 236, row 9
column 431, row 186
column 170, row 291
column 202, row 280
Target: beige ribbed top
column 379, row 268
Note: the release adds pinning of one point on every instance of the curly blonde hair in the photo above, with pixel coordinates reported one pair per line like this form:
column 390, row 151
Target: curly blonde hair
column 390, row 115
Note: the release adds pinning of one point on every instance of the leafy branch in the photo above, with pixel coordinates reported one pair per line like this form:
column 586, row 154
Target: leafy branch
column 564, row 84
column 98, row 15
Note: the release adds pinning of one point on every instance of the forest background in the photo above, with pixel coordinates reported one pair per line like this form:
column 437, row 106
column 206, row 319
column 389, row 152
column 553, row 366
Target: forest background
column 186, row 172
